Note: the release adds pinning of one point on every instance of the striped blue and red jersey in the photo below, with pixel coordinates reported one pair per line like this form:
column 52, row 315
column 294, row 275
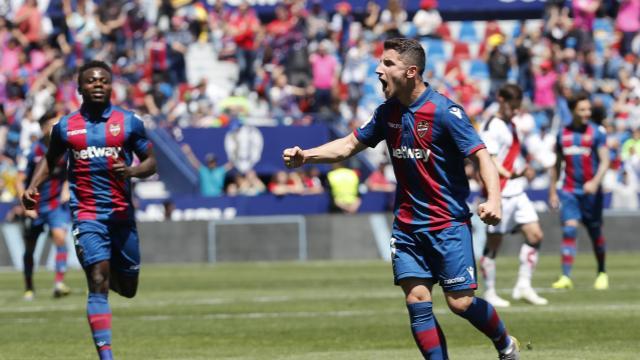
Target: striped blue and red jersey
column 50, row 190
column 94, row 145
column 578, row 147
column 428, row 142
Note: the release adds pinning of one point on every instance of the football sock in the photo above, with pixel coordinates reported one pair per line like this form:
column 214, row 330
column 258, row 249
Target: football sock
column 61, row 263
column 599, row 246
column 528, row 262
column 569, row 234
column 488, row 270
column 99, row 315
column 485, row 318
column 426, row 331
column 27, row 260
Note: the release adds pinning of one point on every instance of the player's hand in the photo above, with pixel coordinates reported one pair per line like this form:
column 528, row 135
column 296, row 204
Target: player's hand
column 30, row 198
column 590, row 187
column 554, row 200
column 121, row 170
column 293, row 157
column 31, row 214
column 490, row 212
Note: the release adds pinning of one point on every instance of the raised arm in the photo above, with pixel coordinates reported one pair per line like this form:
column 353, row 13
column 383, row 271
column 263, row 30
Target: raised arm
column 334, row 151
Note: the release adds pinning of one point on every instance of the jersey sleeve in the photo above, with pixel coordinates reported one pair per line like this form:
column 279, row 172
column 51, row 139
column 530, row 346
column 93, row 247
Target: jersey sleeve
column 601, row 137
column 371, row 132
column 139, row 140
column 57, row 144
column 462, row 132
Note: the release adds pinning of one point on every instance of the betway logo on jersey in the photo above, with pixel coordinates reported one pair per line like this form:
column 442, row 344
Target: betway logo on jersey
column 97, row 152
column 408, row 153
column 577, row 150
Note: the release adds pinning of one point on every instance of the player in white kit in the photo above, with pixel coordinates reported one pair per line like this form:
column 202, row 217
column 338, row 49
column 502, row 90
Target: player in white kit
column 504, row 145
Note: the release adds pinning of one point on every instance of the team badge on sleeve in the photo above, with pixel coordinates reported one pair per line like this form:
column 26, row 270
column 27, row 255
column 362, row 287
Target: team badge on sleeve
column 422, row 127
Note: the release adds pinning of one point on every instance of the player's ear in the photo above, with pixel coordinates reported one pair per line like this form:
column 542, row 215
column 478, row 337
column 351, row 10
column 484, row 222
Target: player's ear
column 412, row 71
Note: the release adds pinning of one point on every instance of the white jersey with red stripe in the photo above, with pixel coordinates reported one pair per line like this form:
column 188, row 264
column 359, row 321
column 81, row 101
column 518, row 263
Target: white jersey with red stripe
column 499, row 136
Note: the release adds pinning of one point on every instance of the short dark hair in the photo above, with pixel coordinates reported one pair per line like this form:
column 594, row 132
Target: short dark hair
column 410, row 50
column 576, row 98
column 50, row 114
column 93, row 64
column 510, row 92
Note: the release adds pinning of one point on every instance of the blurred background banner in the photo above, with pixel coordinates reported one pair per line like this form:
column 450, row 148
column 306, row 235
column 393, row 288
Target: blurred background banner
column 257, row 148
column 452, row 9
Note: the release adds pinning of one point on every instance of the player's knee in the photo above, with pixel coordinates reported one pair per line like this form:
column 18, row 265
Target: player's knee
column 460, row 304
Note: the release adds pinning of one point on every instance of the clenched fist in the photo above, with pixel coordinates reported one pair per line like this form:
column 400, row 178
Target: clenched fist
column 293, row 157
column 490, row 212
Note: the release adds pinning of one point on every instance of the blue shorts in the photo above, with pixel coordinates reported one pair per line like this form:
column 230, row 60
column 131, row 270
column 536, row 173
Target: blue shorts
column 57, row 218
column 582, row 207
column 444, row 255
column 115, row 241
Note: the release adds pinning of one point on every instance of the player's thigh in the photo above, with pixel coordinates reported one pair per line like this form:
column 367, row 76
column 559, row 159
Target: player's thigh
column 569, row 207
column 591, row 207
column 508, row 222
column 125, row 251
column 92, row 242
column 528, row 220
column 456, row 270
column 58, row 221
column 32, row 230
column 408, row 257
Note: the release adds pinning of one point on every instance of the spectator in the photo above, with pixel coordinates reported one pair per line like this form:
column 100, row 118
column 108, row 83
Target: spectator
column 499, row 63
column 284, row 184
column 427, row 19
column 344, row 183
column 624, row 194
column 628, row 21
column 252, row 184
column 377, row 180
column 211, row 176
column 325, row 71
column 243, row 26
column 311, row 181
column 391, row 19
column 631, row 147
column 544, row 97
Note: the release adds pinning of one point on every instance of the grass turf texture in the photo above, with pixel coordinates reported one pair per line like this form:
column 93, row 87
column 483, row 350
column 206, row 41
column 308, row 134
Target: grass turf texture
column 315, row 310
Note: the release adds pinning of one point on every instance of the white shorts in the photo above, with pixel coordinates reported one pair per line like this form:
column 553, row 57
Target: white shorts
column 516, row 210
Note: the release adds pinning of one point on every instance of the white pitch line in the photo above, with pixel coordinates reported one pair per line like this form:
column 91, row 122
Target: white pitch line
column 338, row 314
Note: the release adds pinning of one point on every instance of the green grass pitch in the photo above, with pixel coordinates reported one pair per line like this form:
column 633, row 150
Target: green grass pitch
column 316, row 310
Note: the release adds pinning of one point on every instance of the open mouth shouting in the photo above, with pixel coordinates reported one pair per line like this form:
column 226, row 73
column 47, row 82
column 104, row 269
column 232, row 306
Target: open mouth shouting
column 384, row 85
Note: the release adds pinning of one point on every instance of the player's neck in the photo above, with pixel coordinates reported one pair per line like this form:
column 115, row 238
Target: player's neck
column 412, row 94
column 95, row 110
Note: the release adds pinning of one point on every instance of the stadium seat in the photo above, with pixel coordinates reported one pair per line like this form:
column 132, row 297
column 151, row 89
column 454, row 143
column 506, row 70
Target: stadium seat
column 468, row 32
column 443, row 31
column 478, row 69
column 461, row 50
column 436, row 49
column 510, row 28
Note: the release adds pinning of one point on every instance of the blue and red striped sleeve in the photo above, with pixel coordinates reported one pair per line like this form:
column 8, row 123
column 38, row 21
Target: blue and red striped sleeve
column 371, row 132
column 138, row 138
column 464, row 135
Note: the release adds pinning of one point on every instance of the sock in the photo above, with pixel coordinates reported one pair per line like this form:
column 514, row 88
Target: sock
column 27, row 269
column 426, row 331
column 528, row 262
column 569, row 234
column 99, row 315
column 488, row 270
column 485, row 318
column 61, row 263
column 599, row 245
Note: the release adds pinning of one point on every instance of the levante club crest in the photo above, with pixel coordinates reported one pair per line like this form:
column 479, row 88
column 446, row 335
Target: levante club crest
column 114, row 129
column 422, row 127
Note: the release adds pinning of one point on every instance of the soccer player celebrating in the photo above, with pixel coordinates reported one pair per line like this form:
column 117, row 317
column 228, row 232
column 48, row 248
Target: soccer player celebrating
column 428, row 137
column 581, row 146
column 52, row 210
column 101, row 139
column 504, row 146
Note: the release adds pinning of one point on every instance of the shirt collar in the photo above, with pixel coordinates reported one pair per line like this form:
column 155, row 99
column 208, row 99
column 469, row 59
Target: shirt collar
column 426, row 94
column 105, row 114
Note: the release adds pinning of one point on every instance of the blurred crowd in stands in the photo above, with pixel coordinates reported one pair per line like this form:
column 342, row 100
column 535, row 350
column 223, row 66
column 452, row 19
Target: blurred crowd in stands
column 303, row 64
